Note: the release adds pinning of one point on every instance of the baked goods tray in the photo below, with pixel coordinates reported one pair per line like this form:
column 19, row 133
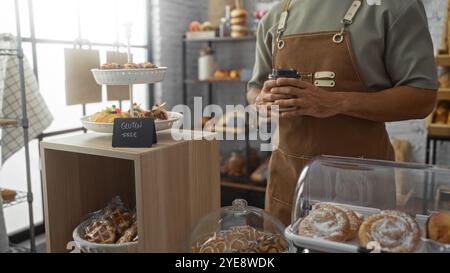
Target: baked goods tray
column 20, row 197
column 322, row 245
column 129, row 76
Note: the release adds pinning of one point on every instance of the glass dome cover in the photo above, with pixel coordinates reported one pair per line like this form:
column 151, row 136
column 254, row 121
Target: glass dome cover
column 358, row 205
column 239, row 229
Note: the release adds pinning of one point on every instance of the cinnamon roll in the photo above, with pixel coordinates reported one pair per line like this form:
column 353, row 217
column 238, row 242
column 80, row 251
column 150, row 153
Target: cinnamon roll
column 395, row 231
column 355, row 218
column 326, row 222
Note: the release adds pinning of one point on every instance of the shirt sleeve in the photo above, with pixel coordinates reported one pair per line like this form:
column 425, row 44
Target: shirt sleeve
column 263, row 58
column 409, row 54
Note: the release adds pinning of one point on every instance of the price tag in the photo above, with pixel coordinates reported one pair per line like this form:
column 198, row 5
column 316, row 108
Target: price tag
column 134, row 133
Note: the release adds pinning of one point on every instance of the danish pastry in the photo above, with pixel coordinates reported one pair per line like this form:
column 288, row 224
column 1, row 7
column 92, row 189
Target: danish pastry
column 394, row 231
column 355, row 218
column 438, row 228
column 326, row 222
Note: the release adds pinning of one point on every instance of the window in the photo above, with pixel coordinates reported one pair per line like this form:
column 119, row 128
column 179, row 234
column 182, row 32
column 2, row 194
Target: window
column 57, row 24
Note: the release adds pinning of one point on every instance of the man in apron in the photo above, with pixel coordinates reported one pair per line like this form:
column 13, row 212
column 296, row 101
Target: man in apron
column 361, row 65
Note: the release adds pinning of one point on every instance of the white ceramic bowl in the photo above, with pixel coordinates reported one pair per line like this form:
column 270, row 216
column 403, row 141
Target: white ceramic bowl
column 107, row 128
column 129, row 76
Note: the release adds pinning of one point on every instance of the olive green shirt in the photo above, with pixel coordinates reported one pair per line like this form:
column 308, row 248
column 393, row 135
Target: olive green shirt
column 391, row 42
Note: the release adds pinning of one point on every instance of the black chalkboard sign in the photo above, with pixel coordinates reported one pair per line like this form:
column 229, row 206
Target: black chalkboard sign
column 134, row 133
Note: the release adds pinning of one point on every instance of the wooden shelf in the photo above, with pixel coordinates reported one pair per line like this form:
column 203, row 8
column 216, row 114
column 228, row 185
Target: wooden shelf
column 218, row 81
column 443, row 94
column 439, row 130
column 221, row 40
column 443, row 60
column 250, row 186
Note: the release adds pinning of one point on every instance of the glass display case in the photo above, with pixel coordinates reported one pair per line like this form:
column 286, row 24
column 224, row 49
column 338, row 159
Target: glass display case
column 358, row 205
column 239, row 229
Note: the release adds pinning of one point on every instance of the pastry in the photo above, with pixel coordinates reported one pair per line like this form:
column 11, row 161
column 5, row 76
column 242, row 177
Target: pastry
column 221, row 74
column 110, row 66
column 206, row 26
column 354, row 218
column 131, row 66
column 120, row 218
column 238, row 21
column 241, row 239
column 128, row 235
column 8, row 195
column 236, row 165
column 147, row 65
column 235, row 74
column 239, row 13
column 442, row 113
column 261, row 173
column 101, row 232
column 394, row 231
column 438, row 227
column 327, row 222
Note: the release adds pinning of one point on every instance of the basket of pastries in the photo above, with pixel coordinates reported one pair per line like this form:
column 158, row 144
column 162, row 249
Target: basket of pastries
column 110, row 230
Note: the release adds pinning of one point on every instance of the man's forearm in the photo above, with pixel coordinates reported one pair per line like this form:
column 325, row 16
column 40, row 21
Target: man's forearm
column 401, row 103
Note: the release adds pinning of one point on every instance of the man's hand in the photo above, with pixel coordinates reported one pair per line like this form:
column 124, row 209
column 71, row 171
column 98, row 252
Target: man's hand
column 266, row 97
column 307, row 98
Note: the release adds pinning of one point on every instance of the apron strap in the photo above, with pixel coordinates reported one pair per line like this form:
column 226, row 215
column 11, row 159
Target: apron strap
column 338, row 38
column 347, row 21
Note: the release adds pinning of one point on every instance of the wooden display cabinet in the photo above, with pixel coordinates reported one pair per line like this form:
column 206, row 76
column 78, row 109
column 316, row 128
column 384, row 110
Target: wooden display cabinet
column 172, row 186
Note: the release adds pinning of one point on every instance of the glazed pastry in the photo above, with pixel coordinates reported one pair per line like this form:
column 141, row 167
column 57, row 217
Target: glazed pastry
column 394, row 231
column 354, row 218
column 438, row 228
column 120, row 219
column 8, row 195
column 327, row 222
column 101, row 232
column 128, row 235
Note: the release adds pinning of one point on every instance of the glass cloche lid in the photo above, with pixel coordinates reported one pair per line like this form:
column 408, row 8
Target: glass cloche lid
column 239, row 229
column 359, row 205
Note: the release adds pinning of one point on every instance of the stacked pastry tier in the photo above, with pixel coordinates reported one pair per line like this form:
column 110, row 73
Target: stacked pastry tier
column 239, row 23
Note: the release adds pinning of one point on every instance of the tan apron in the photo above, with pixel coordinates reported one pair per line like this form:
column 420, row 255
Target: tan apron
column 325, row 59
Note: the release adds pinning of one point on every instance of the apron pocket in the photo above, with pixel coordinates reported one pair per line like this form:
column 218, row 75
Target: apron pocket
column 284, row 172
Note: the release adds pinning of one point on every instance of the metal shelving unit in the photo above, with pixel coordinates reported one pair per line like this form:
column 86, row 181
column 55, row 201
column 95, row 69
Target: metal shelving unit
column 240, row 183
column 18, row 53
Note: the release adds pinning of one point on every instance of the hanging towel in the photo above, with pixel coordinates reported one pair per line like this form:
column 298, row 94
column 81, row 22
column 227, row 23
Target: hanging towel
column 39, row 116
